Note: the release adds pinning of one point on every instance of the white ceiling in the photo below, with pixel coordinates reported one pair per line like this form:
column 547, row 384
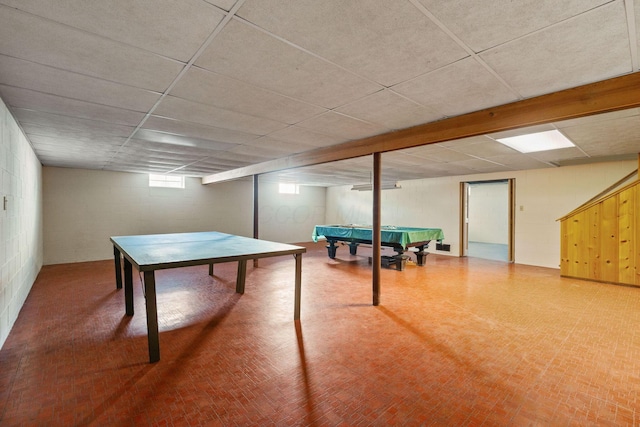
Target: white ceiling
column 200, row 87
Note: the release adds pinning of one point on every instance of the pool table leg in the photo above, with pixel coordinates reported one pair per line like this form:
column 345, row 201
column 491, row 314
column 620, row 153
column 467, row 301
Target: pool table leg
column 401, row 261
column 331, row 248
column 421, row 255
column 353, row 248
column 298, row 287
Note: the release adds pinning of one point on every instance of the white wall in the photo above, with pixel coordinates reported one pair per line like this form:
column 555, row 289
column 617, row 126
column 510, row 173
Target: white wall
column 489, row 212
column 542, row 196
column 83, row 208
column 290, row 218
column 20, row 222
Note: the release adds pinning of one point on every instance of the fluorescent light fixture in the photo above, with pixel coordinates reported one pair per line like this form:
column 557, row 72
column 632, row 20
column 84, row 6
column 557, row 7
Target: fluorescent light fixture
column 383, row 186
column 540, row 141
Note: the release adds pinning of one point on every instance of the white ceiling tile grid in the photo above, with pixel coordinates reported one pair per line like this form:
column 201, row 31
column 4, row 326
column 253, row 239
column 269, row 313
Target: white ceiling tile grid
column 200, row 87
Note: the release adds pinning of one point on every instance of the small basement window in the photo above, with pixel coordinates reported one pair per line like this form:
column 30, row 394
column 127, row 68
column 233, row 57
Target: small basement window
column 167, row 181
column 289, row 188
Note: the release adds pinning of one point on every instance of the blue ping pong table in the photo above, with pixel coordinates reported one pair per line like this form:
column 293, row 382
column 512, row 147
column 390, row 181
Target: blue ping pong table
column 149, row 253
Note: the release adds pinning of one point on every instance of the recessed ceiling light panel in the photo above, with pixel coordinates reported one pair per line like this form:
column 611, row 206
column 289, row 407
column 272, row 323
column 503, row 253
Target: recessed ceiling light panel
column 540, row 141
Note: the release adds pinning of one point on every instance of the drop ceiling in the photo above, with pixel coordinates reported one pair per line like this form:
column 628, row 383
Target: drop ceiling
column 200, row 87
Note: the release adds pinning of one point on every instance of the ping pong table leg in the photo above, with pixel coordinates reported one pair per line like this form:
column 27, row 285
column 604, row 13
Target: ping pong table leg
column 211, row 269
column 152, row 316
column 116, row 258
column 128, row 287
column 296, row 303
column 242, row 275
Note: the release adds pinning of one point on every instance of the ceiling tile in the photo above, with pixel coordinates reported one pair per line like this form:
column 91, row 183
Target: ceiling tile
column 24, row 74
column 423, row 150
column 566, row 55
column 246, row 53
column 88, row 153
column 181, row 109
column 444, row 155
column 604, row 117
column 299, row 135
column 451, row 169
column 607, row 138
column 181, row 141
column 342, row 126
column 86, row 146
column 223, row 4
column 39, row 123
column 175, row 29
column 223, row 161
column 265, row 152
column 177, row 155
column 522, row 131
column 482, row 24
column 387, row 40
column 239, row 159
column 389, row 110
column 481, row 165
column 225, row 92
column 70, row 49
column 555, row 156
column 286, row 148
column 81, row 76
column 72, row 162
column 518, row 161
column 402, row 158
column 484, row 148
column 459, row 88
column 458, row 144
column 195, row 130
column 38, row 101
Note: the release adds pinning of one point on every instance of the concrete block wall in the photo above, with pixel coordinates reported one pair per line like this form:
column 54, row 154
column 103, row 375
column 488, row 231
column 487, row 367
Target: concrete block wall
column 21, row 247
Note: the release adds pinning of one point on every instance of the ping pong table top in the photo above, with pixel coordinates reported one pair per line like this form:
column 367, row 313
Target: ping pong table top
column 160, row 251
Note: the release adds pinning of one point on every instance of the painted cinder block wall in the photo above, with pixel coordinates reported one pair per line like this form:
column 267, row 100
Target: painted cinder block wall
column 21, row 247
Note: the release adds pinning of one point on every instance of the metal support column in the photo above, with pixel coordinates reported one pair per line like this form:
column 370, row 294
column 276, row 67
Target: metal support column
column 377, row 224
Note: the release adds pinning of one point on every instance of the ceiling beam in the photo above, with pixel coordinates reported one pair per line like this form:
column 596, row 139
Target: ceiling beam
column 609, row 95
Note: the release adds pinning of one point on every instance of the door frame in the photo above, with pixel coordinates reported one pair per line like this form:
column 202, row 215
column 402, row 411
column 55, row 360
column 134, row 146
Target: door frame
column 464, row 215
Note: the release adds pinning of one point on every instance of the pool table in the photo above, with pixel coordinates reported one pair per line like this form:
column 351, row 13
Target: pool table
column 398, row 238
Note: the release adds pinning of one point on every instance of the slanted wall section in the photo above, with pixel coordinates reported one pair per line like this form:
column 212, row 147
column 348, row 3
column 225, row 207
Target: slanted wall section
column 600, row 240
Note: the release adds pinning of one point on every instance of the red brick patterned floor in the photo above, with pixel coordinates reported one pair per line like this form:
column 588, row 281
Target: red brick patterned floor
column 457, row 342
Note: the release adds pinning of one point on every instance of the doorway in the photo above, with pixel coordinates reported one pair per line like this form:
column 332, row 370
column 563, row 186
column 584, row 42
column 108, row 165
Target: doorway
column 487, row 219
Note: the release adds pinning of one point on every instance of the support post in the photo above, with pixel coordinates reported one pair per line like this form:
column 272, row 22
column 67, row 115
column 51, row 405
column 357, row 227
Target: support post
column 377, row 224
column 255, row 212
column 298, row 287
